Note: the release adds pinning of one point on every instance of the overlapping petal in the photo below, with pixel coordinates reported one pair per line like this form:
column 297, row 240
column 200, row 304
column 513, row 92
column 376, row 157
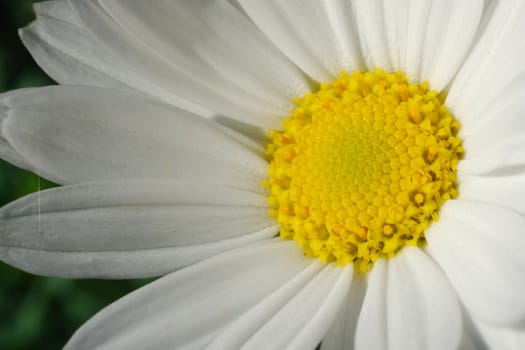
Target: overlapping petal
column 304, row 320
column 502, row 338
column 429, row 40
column 505, row 190
column 124, row 229
column 494, row 138
column 78, row 134
column 70, row 55
column 244, row 327
column 191, row 307
column 342, row 330
column 307, row 30
column 494, row 62
column 479, row 246
column 142, row 67
column 205, row 52
column 409, row 304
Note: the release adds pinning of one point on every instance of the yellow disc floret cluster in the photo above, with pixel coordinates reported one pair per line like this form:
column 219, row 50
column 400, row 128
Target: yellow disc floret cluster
column 362, row 167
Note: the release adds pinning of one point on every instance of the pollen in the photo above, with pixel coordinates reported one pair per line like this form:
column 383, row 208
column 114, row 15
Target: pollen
column 362, row 166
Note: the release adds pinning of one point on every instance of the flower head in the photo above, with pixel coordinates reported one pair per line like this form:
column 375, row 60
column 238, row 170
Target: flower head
column 382, row 140
column 362, row 168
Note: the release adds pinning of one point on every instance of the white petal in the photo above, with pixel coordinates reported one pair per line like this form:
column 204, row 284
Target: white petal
column 7, row 152
column 370, row 19
column 64, row 48
column 480, row 248
column 427, row 39
column 71, row 56
column 506, row 191
column 471, row 339
column 235, row 335
column 341, row 335
column 371, row 328
column 170, row 44
column 58, row 9
column 304, row 321
column 400, row 18
column 494, row 139
column 502, row 338
column 183, row 213
column 423, row 310
column 132, row 228
column 495, row 61
column 450, row 31
column 192, row 304
column 206, row 39
column 416, row 307
column 78, row 134
column 318, row 36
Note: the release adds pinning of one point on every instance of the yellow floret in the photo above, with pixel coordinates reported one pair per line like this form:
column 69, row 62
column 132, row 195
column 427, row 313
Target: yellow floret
column 362, row 167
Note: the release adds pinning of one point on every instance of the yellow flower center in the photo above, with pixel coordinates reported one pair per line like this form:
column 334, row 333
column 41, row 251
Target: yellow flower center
column 362, row 167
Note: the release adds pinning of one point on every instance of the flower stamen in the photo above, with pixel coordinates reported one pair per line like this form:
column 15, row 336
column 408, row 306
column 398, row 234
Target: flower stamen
column 362, row 167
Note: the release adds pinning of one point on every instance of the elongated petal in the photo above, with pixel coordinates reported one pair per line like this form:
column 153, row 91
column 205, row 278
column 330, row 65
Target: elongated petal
column 191, row 305
column 421, row 300
column 304, row 321
column 7, row 151
column 507, row 191
column 235, row 335
column 371, row 329
column 67, row 53
column 428, row 40
column 405, row 23
column 212, row 39
column 480, row 248
column 167, row 212
column 409, row 305
column 502, row 338
column 58, row 9
column 494, row 138
column 370, row 19
column 66, row 50
column 78, row 134
column 494, row 62
column 471, row 338
column 451, row 29
column 205, row 52
column 125, row 229
column 341, row 334
column 319, row 36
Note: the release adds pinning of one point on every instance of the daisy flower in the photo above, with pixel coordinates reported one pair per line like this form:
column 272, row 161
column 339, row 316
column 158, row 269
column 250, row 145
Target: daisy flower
column 344, row 173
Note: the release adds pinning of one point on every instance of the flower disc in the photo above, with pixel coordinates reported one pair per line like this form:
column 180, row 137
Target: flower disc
column 362, row 167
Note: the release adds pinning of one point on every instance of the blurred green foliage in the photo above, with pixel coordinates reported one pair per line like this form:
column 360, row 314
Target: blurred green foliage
column 38, row 312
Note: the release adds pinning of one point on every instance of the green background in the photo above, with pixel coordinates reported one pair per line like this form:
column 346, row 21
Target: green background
column 38, row 312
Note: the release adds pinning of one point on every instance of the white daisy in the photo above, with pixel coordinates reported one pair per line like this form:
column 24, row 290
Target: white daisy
column 158, row 131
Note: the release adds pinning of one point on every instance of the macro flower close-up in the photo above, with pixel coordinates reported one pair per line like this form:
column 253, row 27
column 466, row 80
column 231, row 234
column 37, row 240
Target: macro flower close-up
column 300, row 174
